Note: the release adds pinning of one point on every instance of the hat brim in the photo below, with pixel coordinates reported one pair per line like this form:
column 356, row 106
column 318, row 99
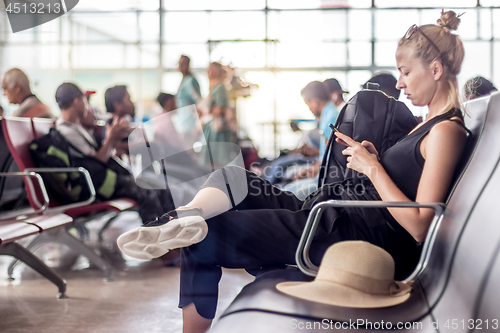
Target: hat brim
column 332, row 293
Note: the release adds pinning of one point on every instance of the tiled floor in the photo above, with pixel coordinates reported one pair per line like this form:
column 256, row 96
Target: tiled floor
column 142, row 297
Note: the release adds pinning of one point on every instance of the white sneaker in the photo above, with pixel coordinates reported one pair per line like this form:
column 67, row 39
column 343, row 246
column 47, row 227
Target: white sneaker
column 166, row 233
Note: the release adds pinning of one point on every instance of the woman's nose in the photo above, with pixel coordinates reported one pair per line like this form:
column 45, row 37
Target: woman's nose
column 399, row 83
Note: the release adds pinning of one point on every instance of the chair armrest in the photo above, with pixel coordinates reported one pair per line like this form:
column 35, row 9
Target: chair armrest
column 302, row 254
column 88, row 180
column 30, row 211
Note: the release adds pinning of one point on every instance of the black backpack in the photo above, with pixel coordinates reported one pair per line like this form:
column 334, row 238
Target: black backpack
column 370, row 115
column 54, row 151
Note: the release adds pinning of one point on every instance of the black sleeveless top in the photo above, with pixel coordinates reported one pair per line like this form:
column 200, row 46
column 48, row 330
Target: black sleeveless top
column 404, row 163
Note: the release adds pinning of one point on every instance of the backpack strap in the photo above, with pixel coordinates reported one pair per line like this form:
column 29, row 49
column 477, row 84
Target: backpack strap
column 325, row 162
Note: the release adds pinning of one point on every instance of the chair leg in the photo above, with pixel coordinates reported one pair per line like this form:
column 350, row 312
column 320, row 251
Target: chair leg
column 65, row 237
column 19, row 252
column 32, row 246
column 106, row 226
column 61, row 235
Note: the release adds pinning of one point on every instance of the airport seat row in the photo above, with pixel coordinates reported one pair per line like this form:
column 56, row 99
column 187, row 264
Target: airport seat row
column 13, row 229
column 45, row 218
column 454, row 286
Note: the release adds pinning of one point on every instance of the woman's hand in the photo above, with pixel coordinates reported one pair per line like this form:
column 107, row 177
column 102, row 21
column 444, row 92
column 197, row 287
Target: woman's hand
column 371, row 148
column 361, row 157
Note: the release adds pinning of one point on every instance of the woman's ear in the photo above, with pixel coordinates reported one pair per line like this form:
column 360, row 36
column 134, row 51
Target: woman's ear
column 437, row 69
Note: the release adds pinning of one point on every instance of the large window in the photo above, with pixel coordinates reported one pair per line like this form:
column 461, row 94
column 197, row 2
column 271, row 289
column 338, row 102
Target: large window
column 279, row 45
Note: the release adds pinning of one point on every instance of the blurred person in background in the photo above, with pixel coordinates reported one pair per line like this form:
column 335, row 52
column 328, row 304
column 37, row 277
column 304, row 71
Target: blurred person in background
column 16, row 86
column 119, row 104
column 216, row 127
column 336, row 92
column 319, row 98
column 89, row 120
column 188, row 93
column 74, row 107
column 478, row 86
column 164, row 129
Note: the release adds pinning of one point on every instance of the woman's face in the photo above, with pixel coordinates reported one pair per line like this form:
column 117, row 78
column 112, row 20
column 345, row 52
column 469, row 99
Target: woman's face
column 416, row 80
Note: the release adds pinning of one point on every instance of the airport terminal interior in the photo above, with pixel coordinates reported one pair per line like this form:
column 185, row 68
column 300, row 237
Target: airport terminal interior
column 154, row 97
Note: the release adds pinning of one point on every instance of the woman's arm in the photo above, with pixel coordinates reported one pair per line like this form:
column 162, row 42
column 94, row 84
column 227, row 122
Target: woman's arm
column 441, row 149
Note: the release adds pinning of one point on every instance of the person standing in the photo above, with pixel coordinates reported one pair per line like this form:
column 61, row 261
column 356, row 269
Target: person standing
column 216, row 129
column 16, row 86
column 187, row 94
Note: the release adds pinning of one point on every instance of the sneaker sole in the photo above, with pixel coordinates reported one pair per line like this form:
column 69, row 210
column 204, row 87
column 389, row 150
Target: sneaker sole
column 153, row 242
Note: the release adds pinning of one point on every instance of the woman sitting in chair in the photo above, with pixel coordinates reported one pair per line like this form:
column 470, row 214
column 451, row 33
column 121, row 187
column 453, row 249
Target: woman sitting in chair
column 251, row 224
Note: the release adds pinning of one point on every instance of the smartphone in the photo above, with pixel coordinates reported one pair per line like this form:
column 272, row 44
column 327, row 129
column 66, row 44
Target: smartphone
column 335, row 129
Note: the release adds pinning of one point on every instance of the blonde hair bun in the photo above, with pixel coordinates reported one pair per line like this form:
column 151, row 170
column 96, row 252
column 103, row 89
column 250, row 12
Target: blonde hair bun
column 449, row 20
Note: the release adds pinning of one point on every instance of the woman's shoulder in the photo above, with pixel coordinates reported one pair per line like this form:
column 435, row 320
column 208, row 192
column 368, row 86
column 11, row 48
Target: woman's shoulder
column 452, row 129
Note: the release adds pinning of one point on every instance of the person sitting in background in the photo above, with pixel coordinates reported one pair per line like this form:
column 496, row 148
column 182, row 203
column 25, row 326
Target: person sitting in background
column 306, row 180
column 386, row 82
column 74, row 107
column 89, row 121
column 180, row 160
column 74, row 113
column 16, row 86
column 318, row 99
column 164, row 129
column 477, row 87
column 336, row 92
column 119, row 104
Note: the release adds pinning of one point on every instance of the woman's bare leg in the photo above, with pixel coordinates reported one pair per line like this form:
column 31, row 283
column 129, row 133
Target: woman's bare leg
column 192, row 321
column 211, row 201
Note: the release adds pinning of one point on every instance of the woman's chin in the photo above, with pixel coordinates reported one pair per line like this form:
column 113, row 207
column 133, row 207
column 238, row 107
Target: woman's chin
column 417, row 103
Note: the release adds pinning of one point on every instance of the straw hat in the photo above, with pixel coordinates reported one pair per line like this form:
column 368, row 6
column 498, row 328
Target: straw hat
column 353, row 274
